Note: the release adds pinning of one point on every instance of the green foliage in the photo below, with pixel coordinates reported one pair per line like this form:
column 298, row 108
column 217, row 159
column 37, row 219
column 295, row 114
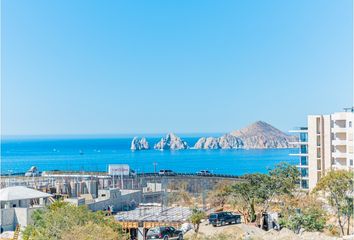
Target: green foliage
column 221, row 194
column 338, row 187
column 312, row 218
column 261, row 189
column 90, row 231
column 196, row 217
column 60, row 218
column 337, row 184
column 251, row 192
column 284, row 178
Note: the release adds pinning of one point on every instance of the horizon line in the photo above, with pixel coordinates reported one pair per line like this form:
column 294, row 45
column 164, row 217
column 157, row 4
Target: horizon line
column 74, row 135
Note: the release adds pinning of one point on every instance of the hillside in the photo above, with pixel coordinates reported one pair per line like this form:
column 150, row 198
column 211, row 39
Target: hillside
column 262, row 135
column 258, row 135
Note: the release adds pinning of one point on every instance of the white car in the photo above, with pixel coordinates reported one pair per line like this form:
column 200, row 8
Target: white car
column 204, row 173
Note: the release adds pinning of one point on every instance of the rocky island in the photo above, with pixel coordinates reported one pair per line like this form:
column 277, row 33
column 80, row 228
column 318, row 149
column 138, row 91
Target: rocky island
column 259, row 135
column 263, row 135
column 226, row 141
column 139, row 144
column 171, row 142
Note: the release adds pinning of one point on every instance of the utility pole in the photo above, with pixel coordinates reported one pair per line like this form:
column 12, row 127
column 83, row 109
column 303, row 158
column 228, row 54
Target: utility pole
column 155, row 164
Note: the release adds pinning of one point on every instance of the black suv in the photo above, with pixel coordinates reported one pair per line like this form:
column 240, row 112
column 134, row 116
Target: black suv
column 221, row 218
column 164, row 233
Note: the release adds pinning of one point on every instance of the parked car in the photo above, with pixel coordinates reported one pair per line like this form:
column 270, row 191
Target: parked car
column 204, row 173
column 166, row 172
column 221, row 218
column 164, row 233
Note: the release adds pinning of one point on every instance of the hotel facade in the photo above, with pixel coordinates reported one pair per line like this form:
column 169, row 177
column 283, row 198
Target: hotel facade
column 325, row 144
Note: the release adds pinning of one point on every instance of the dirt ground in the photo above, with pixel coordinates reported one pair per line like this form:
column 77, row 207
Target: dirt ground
column 249, row 232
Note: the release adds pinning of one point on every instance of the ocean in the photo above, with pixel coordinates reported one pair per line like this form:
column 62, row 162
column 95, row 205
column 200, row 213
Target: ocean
column 95, row 154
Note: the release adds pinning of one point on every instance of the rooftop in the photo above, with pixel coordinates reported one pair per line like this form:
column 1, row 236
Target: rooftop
column 154, row 214
column 21, row 193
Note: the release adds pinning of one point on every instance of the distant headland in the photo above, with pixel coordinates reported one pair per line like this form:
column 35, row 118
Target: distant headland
column 259, row 135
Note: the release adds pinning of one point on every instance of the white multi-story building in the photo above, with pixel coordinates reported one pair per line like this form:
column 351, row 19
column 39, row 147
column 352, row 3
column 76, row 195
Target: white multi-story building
column 325, row 144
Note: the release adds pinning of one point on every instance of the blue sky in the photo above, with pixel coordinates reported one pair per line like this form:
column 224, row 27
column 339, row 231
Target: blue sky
column 114, row 67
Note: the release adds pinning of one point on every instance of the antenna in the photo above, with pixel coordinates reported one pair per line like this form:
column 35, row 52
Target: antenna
column 349, row 109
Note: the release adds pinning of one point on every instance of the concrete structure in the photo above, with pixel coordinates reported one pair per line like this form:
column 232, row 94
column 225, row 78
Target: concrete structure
column 325, row 144
column 113, row 199
column 138, row 221
column 17, row 205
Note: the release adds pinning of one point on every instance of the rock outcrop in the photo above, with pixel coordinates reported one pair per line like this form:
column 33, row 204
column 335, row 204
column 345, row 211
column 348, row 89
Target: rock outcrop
column 258, row 135
column 139, row 144
column 226, row 141
column 207, row 143
column 171, row 142
column 262, row 135
column 229, row 141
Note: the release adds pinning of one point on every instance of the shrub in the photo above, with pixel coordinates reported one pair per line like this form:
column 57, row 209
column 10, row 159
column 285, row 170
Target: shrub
column 312, row 218
column 61, row 219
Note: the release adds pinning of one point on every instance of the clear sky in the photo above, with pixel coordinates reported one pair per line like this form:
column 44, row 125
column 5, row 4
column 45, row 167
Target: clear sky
column 114, row 67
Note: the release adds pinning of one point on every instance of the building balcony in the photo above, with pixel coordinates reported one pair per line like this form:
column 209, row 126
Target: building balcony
column 339, row 167
column 339, row 154
column 302, row 166
column 337, row 129
column 298, row 154
column 299, row 130
column 339, row 142
column 341, row 116
column 296, row 143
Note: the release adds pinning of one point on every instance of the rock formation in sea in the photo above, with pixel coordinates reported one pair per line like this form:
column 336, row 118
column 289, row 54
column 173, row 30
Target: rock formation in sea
column 229, row 141
column 139, row 144
column 258, row 135
column 226, row 141
column 171, row 142
column 263, row 135
column 207, row 143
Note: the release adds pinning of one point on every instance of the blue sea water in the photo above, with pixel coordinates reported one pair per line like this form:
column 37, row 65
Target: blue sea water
column 94, row 154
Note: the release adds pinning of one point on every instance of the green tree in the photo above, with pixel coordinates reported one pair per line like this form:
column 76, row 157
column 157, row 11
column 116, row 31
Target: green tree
column 348, row 210
column 60, row 218
column 90, row 231
column 262, row 189
column 309, row 216
column 337, row 186
column 220, row 194
column 250, row 192
column 196, row 218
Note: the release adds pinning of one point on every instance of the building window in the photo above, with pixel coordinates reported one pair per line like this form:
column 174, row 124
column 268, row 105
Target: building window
column 351, row 162
column 304, row 172
column 318, row 164
column 304, row 184
column 304, row 161
column 303, row 149
column 303, row 137
column 350, row 124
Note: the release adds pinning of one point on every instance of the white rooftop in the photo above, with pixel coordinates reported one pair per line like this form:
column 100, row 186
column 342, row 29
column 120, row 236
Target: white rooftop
column 153, row 214
column 20, row 193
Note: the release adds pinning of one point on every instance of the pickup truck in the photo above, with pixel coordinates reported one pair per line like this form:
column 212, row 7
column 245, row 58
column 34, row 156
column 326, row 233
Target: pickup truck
column 221, row 218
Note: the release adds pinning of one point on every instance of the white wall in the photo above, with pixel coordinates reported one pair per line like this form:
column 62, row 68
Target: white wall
column 7, row 219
